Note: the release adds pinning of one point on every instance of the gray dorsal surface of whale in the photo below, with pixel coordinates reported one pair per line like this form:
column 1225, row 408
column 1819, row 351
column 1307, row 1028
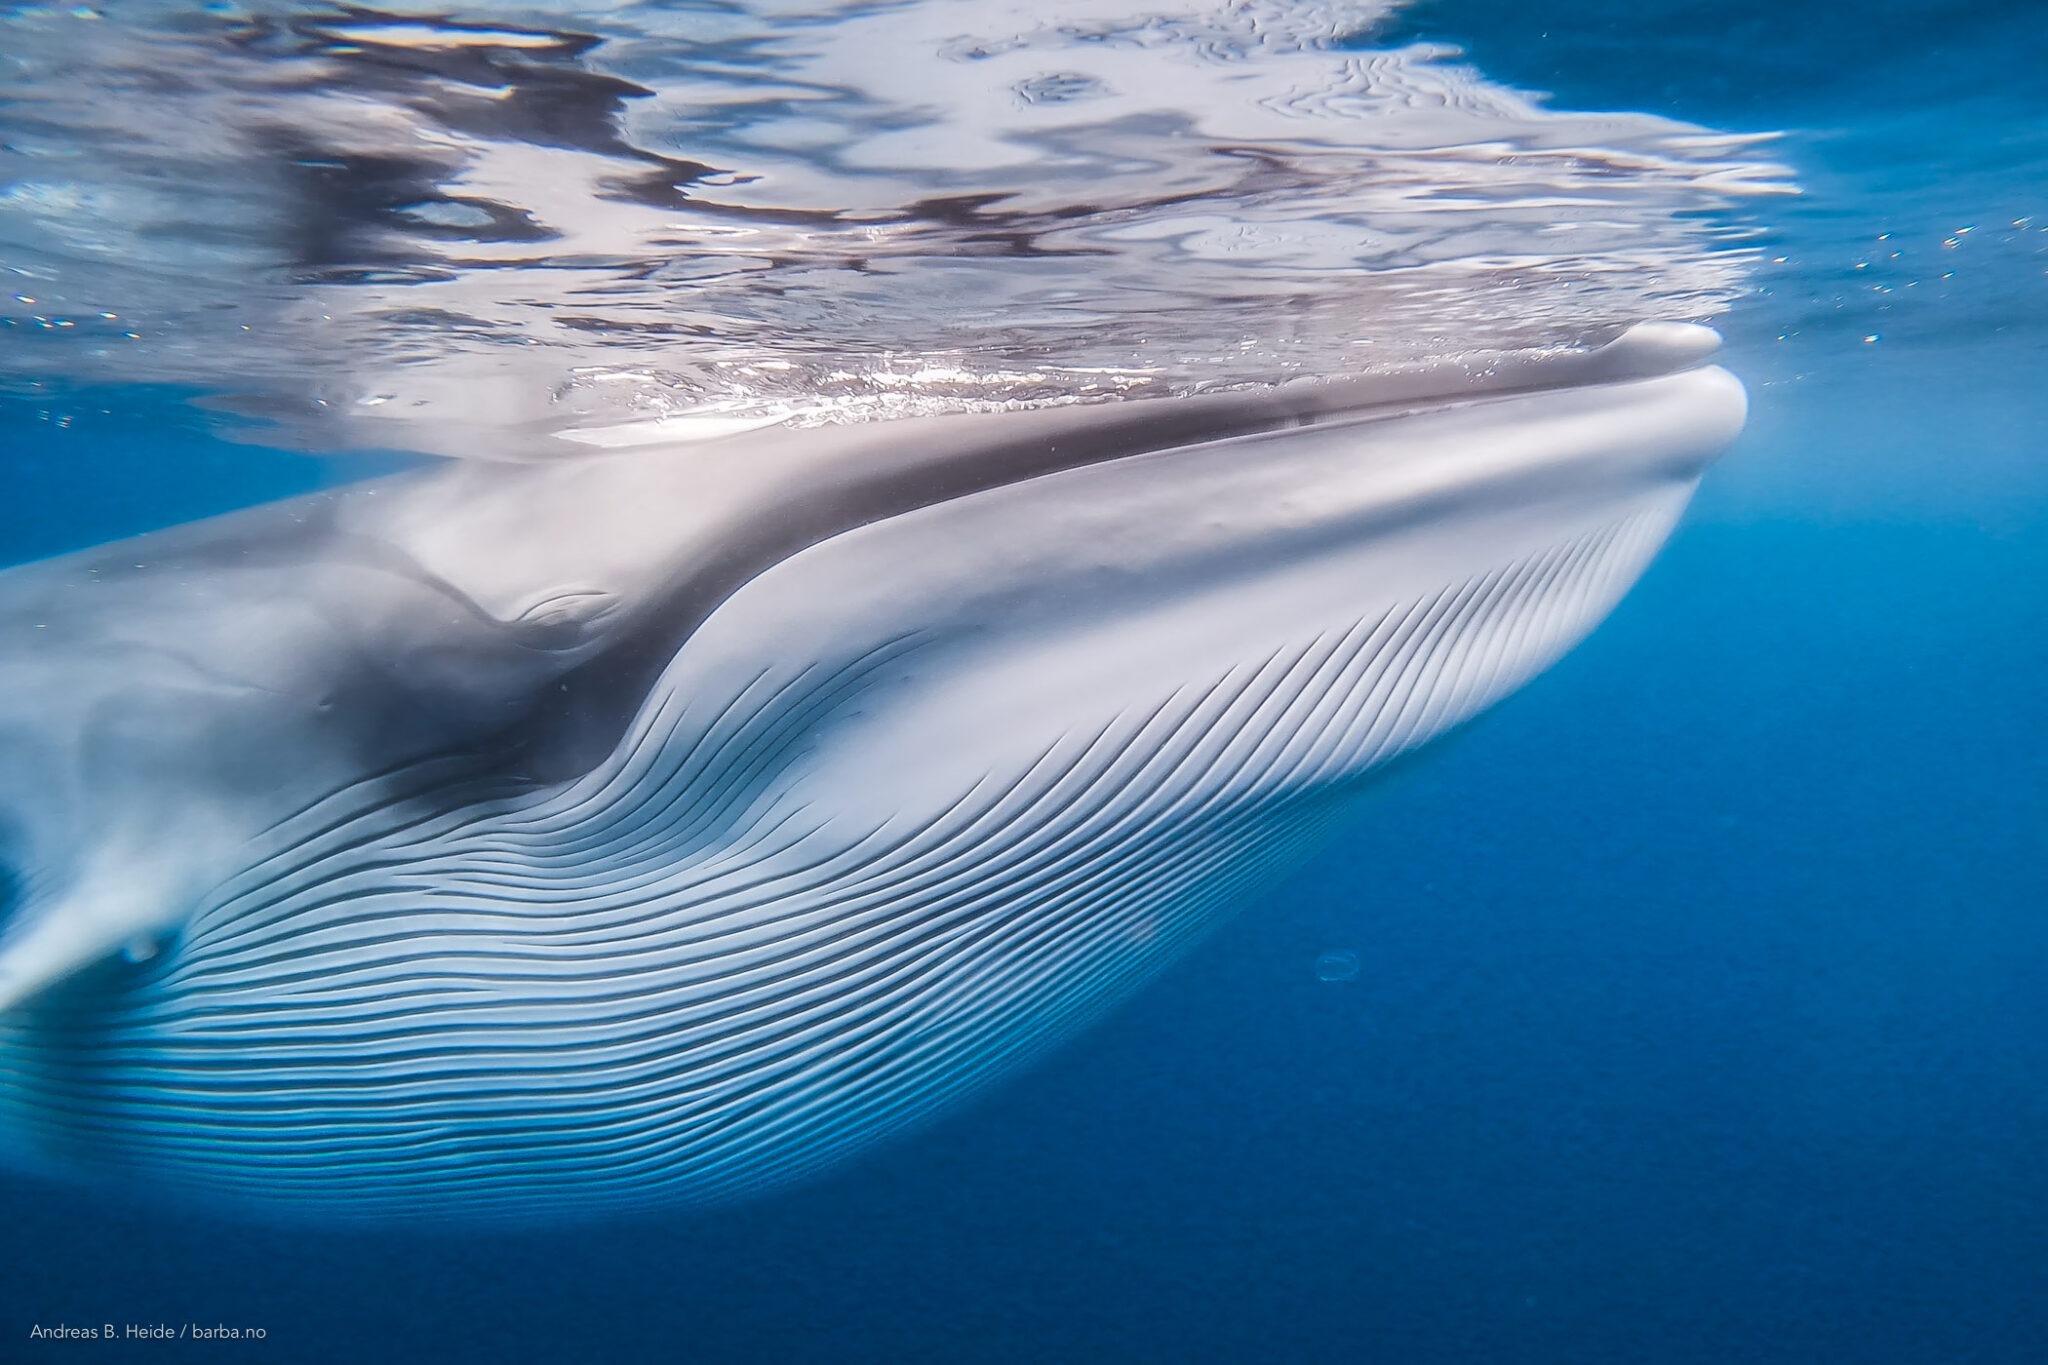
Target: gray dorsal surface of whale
column 496, row 840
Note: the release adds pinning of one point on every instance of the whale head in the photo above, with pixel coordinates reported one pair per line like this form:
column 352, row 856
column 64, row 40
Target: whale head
column 500, row 840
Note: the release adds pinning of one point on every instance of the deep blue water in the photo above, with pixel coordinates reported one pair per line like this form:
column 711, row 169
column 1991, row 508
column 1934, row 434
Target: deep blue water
column 1701, row 1014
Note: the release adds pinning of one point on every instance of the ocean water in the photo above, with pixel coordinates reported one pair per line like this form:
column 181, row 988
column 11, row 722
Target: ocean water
column 1697, row 1011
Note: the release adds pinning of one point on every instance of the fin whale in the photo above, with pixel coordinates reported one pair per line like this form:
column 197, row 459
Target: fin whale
column 510, row 840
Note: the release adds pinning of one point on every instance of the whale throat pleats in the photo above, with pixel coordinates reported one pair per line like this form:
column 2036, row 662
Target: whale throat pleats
column 898, row 796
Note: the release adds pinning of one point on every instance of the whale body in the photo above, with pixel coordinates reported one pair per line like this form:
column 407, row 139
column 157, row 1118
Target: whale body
column 516, row 840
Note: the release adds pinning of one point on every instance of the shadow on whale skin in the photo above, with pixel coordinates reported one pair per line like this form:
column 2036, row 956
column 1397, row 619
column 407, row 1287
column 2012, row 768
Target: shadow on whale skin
column 506, row 841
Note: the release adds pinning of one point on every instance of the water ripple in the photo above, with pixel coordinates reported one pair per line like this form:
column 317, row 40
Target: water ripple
column 465, row 231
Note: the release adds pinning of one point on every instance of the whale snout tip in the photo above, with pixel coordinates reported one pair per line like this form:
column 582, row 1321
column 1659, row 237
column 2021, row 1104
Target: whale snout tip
column 1724, row 405
column 1658, row 348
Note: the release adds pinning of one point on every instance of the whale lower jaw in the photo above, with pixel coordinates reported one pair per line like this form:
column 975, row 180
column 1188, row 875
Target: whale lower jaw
column 911, row 805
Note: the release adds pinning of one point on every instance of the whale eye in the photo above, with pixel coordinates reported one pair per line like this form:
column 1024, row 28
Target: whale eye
column 559, row 619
